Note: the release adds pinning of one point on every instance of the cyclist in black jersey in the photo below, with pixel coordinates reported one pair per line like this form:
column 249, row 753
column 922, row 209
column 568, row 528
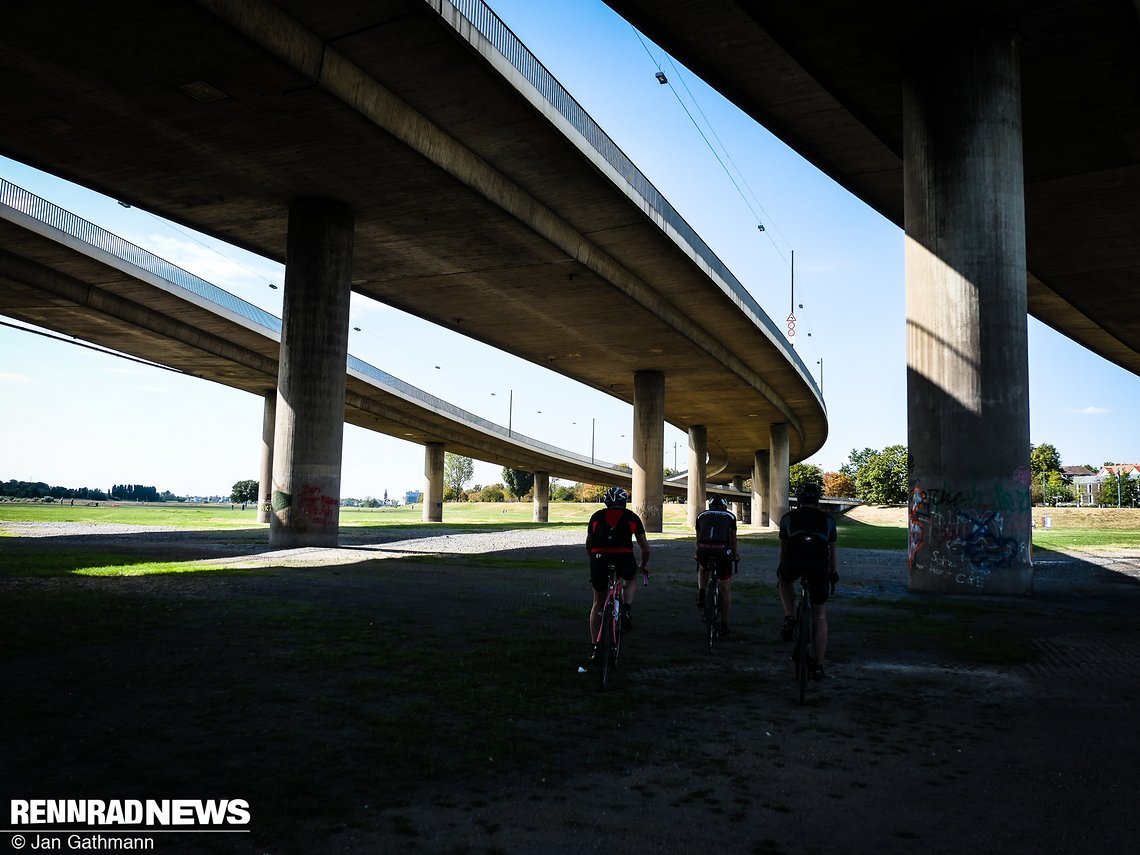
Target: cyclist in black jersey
column 807, row 548
column 716, row 539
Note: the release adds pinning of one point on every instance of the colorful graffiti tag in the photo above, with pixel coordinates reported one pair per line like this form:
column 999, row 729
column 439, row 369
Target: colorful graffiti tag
column 959, row 536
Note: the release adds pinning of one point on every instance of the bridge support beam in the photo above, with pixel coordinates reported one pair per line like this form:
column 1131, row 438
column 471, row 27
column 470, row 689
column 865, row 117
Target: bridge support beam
column 967, row 362
column 698, row 471
column 265, row 489
column 433, row 482
column 761, row 489
column 779, row 474
column 309, row 431
column 649, row 447
column 542, row 497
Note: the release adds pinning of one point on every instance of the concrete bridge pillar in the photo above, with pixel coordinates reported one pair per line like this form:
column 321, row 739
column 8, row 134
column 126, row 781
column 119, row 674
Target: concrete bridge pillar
column 649, row 447
column 698, row 471
column 265, row 490
column 309, row 428
column 738, row 505
column 779, row 474
column 967, row 363
column 433, row 482
column 542, row 497
column 761, row 489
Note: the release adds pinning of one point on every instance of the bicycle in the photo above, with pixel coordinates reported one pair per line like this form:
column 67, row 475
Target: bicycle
column 608, row 641
column 714, row 616
column 803, row 640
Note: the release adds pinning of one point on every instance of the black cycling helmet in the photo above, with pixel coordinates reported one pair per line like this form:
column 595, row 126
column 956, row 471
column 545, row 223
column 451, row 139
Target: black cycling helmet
column 615, row 496
column 809, row 493
column 718, row 503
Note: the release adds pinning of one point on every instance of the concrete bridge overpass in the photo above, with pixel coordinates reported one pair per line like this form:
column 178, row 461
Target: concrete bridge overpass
column 422, row 157
column 1004, row 137
column 60, row 272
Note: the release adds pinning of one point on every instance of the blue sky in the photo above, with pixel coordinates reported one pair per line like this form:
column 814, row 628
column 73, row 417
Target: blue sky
column 78, row 418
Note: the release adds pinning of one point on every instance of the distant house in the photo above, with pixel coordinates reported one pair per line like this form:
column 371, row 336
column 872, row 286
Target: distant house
column 1088, row 486
column 1086, row 483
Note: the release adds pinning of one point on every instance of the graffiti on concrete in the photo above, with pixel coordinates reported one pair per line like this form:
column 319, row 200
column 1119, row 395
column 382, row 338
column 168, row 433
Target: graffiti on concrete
column 981, row 541
column 960, row 533
column 311, row 509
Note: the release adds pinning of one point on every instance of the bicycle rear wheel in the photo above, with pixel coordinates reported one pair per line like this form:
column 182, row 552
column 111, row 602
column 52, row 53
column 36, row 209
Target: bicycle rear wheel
column 606, row 650
column 712, row 612
column 802, row 652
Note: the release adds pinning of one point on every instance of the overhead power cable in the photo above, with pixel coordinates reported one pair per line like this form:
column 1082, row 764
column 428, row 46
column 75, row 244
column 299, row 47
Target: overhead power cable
column 665, row 79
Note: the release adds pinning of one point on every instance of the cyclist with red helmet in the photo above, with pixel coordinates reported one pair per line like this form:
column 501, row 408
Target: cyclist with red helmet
column 609, row 541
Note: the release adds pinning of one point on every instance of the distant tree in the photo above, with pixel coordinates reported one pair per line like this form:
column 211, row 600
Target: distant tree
column 882, row 478
column 563, row 492
column 1118, row 491
column 855, row 461
column 1044, row 459
column 457, row 471
column 518, row 483
column 490, row 493
column 590, row 493
column 245, row 491
column 1050, row 488
column 801, row 474
column 370, row 502
column 837, row 484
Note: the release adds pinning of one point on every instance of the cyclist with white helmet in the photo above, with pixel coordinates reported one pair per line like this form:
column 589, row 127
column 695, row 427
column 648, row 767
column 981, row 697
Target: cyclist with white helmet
column 609, row 541
column 716, row 543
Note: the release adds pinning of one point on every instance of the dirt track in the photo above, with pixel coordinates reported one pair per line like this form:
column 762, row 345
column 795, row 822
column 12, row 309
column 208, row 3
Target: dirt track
column 919, row 740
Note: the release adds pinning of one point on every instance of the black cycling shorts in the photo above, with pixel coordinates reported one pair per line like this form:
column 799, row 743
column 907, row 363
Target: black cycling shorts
column 721, row 555
column 818, row 580
column 600, row 563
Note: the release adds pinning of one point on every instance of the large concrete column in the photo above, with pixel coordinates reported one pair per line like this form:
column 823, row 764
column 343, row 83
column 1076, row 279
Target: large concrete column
column 265, row 489
column 698, row 470
column 433, row 482
column 309, row 431
column 967, row 363
column 779, row 474
column 542, row 497
column 761, row 489
column 649, row 447
column 738, row 504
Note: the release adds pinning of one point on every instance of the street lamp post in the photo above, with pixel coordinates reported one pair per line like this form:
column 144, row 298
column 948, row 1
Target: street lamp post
column 820, row 363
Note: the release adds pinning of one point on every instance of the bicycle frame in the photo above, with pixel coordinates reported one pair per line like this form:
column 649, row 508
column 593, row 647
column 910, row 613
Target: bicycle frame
column 714, row 614
column 803, row 639
column 608, row 640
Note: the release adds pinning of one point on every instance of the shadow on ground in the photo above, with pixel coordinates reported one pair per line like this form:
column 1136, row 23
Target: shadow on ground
column 433, row 704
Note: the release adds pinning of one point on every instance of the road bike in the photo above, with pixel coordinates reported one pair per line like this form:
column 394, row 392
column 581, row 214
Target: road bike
column 714, row 615
column 803, row 640
column 607, row 644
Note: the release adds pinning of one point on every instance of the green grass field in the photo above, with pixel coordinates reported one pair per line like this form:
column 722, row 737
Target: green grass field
column 1070, row 528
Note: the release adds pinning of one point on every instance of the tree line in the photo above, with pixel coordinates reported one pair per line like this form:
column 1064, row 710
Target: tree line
column 119, row 492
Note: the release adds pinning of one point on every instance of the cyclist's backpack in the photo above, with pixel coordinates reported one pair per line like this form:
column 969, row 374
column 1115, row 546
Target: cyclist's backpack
column 607, row 533
column 713, row 528
column 807, row 544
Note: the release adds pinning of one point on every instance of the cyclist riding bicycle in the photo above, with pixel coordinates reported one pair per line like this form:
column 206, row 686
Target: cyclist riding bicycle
column 609, row 541
column 807, row 549
column 716, row 539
